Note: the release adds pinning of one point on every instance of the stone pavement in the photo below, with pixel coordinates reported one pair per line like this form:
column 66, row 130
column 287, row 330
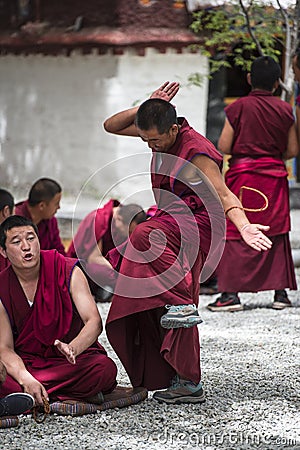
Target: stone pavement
column 295, row 236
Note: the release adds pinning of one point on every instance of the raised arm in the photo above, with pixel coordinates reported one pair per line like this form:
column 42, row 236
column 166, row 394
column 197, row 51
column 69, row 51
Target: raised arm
column 122, row 123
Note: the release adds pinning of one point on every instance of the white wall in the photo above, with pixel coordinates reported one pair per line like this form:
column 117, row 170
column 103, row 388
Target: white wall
column 51, row 115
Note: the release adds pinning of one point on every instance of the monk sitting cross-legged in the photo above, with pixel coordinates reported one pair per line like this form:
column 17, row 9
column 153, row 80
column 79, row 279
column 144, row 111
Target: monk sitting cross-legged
column 49, row 323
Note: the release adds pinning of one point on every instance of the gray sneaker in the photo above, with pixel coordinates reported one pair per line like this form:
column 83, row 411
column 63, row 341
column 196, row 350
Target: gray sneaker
column 180, row 316
column 181, row 391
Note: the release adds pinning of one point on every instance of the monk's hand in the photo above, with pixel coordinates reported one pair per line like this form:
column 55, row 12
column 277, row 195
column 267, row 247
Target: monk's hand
column 166, row 91
column 33, row 387
column 67, row 350
column 254, row 237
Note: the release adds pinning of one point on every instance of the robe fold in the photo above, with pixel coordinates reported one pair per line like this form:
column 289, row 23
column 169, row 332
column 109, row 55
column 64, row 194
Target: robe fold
column 161, row 265
column 53, row 315
column 3, row 263
column 94, row 227
column 257, row 175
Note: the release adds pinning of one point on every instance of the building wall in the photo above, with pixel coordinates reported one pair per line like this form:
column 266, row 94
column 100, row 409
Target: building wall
column 51, row 115
column 95, row 13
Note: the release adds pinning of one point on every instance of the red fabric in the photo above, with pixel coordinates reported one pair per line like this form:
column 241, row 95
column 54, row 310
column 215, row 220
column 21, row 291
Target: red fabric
column 256, row 271
column 48, row 229
column 95, row 226
column 261, row 123
column 150, row 354
column 269, row 176
column 53, row 316
column 3, row 263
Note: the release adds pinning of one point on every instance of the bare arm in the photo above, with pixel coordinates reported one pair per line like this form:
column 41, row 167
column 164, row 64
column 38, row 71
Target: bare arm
column 122, row 123
column 14, row 364
column 97, row 257
column 226, row 138
column 251, row 233
column 293, row 139
column 89, row 314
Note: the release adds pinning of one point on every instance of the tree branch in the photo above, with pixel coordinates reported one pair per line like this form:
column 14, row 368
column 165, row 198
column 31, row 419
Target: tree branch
column 259, row 48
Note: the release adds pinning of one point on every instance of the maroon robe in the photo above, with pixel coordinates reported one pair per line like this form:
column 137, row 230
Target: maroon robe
column 4, row 262
column 165, row 270
column 48, row 229
column 53, row 316
column 261, row 123
column 94, row 227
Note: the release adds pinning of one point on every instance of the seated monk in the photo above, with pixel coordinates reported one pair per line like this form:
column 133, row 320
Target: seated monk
column 101, row 231
column 40, row 207
column 49, row 323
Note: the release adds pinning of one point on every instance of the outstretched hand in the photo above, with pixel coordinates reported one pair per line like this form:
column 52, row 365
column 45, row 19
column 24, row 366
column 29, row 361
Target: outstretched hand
column 66, row 350
column 253, row 236
column 166, row 91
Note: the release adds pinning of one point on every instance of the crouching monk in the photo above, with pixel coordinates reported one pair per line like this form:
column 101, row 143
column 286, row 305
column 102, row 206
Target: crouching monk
column 49, row 323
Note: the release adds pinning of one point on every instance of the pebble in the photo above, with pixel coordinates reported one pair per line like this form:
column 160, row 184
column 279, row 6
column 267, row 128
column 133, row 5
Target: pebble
column 250, row 367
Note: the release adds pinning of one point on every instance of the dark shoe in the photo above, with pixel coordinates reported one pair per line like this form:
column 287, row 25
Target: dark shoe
column 209, row 287
column 15, row 404
column 180, row 316
column 181, row 391
column 281, row 300
column 227, row 302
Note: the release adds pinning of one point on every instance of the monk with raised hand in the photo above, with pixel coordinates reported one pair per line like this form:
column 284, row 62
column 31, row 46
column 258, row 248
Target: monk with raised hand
column 161, row 270
column 49, row 322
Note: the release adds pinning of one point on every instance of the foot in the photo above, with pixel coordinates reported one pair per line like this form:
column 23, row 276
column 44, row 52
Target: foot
column 209, row 287
column 15, row 404
column 226, row 302
column 281, row 300
column 181, row 391
column 180, row 316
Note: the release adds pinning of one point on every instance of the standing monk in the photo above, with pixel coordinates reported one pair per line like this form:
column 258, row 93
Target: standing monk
column 42, row 204
column 49, row 323
column 7, row 205
column 260, row 133
column 159, row 348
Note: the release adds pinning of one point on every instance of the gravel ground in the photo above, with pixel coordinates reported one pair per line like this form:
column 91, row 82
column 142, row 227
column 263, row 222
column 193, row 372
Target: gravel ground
column 250, row 363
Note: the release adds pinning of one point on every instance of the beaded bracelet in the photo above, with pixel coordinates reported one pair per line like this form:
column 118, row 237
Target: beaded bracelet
column 232, row 207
